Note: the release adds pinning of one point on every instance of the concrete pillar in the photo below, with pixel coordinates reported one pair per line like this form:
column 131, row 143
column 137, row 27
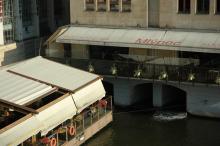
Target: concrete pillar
column 35, row 18
column 157, row 95
column 18, row 21
column 51, row 19
column 122, row 93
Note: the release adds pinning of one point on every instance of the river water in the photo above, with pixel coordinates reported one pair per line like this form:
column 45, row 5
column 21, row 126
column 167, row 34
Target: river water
column 142, row 129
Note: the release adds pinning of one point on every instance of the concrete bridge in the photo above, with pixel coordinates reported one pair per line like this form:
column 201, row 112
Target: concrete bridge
column 201, row 99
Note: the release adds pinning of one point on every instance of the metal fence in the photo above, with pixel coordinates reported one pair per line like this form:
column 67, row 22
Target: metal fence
column 187, row 73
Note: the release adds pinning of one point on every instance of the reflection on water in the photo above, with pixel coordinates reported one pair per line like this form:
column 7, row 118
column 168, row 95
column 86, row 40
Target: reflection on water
column 141, row 129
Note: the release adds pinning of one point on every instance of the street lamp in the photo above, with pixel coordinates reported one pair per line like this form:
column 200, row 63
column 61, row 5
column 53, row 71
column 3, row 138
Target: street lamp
column 217, row 80
column 114, row 70
column 191, row 77
column 137, row 72
column 91, row 68
column 163, row 75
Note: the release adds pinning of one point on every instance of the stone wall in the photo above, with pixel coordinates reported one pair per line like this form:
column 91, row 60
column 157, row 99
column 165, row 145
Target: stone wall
column 137, row 16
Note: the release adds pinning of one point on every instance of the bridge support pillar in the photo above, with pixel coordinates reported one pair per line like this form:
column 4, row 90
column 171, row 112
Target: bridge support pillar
column 157, row 95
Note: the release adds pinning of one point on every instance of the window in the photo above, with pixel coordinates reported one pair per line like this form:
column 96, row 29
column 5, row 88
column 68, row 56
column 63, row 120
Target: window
column 218, row 6
column 126, row 5
column 26, row 9
column 101, row 5
column 184, row 6
column 8, row 23
column 90, row 5
column 203, row 6
column 114, row 5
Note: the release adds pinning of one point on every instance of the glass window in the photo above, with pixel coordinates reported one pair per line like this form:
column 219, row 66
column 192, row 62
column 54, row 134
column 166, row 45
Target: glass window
column 101, row 5
column 126, row 5
column 8, row 23
column 203, row 6
column 114, row 5
column 90, row 5
column 218, row 6
column 184, row 6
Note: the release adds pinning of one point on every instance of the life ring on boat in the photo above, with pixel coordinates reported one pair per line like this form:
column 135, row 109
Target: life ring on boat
column 103, row 103
column 53, row 142
column 71, row 130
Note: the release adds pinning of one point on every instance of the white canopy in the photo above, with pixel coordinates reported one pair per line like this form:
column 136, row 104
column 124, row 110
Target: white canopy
column 54, row 73
column 20, row 90
column 88, row 95
column 142, row 38
column 21, row 132
column 42, row 122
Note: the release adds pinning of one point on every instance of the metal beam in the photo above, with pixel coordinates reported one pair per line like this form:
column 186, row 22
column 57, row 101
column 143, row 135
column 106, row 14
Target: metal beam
column 19, row 108
column 42, row 96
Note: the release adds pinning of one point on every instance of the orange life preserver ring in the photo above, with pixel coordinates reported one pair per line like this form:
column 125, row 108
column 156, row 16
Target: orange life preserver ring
column 53, row 142
column 71, row 130
column 103, row 103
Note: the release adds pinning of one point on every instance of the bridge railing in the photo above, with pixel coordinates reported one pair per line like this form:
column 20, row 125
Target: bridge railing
column 148, row 71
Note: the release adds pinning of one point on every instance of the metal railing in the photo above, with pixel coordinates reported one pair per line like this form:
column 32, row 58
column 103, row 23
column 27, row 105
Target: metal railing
column 148, row 71
column 62, row 134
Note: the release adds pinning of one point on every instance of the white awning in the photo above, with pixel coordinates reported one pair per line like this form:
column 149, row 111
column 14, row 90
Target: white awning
column 20, row 90
column 141, row 38
column 54, row 73
column 88, row 95
column 42, row 122
column 21, row 132
column 56, row 114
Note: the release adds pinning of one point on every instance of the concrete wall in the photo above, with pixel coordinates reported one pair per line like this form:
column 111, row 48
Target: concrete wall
column 80, row 51
column 55, row 50
column 137, row 16
column 10, row 54
column 153, row 13
column 15, row 52
column 170, row 18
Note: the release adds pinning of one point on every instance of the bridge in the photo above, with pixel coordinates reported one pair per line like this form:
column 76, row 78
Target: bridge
column 157, row 84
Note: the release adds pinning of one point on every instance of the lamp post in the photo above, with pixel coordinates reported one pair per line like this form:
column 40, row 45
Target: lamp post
column 191, row 77
column 163, row 75
column 138, row 72
column 91, row 68
column 114, row 70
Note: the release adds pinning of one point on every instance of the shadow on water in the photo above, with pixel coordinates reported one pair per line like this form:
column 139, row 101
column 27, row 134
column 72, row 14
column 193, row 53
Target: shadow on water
column 140, row 128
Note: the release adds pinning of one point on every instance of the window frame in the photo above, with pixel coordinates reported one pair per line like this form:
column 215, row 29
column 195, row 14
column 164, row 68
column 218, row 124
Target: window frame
column 86, row 8
column 203, row 12
column 184, row 11
column 217, row 10
column 103, row 4
column 114, row 3
column 128, row 3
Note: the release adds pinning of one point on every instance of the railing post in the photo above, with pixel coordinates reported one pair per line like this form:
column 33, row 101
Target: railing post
column 66, row 134
column 83, row 122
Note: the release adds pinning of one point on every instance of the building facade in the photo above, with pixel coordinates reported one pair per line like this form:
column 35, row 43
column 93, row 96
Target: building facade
column 24, row 24
column 146, row 47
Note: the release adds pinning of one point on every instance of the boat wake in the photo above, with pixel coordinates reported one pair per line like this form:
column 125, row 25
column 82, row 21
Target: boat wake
column 169, row 116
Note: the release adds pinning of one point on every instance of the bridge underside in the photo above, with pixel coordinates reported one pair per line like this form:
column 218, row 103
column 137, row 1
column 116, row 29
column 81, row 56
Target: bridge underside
column 200, row 99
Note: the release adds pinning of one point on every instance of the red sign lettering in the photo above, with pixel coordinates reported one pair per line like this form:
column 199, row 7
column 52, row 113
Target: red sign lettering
column 157, row 42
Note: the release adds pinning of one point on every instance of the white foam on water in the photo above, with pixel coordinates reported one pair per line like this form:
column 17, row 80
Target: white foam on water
column 169, row 116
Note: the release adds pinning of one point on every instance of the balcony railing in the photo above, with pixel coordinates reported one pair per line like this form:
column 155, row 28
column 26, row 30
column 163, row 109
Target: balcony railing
column 189, row 73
